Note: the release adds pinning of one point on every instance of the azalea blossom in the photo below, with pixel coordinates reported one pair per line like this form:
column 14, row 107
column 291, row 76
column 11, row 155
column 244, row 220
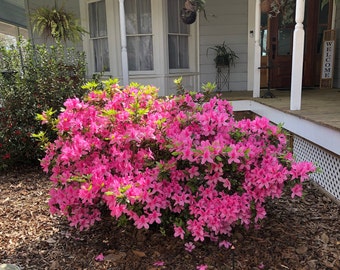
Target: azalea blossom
column 189, row 246
column 179, row 232
column 225, row 244
column 100, row 257
column 159, row 263
column 181, row 161
column 296, row 190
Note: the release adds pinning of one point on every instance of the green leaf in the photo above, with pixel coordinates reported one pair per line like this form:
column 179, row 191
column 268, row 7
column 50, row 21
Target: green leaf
column 219, row 158
column 90, row 86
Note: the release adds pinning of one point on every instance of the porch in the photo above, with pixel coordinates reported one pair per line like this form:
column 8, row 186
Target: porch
column 315, row 128
column 321, row 106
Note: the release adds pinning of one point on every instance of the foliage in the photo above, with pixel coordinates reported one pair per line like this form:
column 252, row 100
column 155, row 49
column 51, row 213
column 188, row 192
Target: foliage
column 225, row 56
column 195, row 5
column 180, row 162
column 189, row 12
column 284, row 8
column 32, row 80
column 56, row 23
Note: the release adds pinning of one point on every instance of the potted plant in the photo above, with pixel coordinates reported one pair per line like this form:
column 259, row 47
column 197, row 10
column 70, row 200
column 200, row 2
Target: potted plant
column 56, row 23
column 189, row 12
column 225, row 56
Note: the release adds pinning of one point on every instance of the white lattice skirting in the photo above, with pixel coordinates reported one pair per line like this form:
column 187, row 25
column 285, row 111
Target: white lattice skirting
column 328, row 163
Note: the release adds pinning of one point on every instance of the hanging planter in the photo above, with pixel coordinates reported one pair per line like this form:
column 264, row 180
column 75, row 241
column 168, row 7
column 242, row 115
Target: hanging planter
column 56, row 23
column 187, row 16
column 190, row 5
column 189, row 12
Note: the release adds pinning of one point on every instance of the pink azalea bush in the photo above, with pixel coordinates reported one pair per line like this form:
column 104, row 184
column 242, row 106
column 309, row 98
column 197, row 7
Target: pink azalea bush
column 182, row 161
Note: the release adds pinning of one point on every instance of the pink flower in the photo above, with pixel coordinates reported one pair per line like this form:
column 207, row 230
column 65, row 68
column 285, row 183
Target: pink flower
column 189, row 246
column 179, row 232
column 234, row 156
column 225, row 244
column 159, row 263
column 260, row 212
column 296, row 190
column 196, row 229
column 142, row 222
column 100, row 257
column 154, row 217
column 193, row 171
column 202, row 267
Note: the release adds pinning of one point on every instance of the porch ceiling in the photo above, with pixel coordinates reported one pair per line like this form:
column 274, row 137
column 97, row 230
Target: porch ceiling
column 13, row 12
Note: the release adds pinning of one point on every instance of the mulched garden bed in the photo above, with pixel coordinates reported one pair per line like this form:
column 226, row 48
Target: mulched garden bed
column 300, row 233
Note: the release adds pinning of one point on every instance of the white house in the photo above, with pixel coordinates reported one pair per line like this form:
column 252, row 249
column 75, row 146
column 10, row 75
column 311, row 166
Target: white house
column 145, row 40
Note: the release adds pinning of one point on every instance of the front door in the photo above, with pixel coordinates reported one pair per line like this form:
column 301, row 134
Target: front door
column 280, row 49
column 280, row 42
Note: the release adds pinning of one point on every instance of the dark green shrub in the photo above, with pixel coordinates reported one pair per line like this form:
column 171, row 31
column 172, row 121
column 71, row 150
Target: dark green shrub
column 33, row 79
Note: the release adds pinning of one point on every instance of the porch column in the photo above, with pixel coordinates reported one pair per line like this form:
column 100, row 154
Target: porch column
column 125, row 66
column 297, row 60
column 257, row 51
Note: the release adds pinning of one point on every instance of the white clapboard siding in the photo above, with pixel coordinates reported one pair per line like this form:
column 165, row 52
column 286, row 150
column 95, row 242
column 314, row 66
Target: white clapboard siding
column 226, row 21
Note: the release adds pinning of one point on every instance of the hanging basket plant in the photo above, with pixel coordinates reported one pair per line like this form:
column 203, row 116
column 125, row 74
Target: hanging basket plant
column 189, row 12
column 284, row 8
column 57, row 24
column 187, row 16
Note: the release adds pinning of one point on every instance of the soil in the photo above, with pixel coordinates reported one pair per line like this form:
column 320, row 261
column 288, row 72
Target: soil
column 300, row 233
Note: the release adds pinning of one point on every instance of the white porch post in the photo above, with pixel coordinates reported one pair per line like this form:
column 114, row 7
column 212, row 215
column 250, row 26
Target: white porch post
column 257, row 51
column 298, row 50
column 125, row 66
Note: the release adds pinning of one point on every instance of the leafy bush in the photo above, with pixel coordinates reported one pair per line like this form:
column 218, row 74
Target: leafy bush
column 33, row 79
column 181, row 163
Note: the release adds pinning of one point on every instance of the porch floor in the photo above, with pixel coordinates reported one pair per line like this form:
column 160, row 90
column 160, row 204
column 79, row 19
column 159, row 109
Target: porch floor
column 318, row 105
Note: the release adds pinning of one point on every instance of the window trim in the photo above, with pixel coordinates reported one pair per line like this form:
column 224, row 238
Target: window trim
column 153, row 70
column 191, row 46
column 161, row 73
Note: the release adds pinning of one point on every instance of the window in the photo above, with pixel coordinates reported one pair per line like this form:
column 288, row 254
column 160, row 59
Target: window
column 178, row 36
column 98, row 36
column 139, row 34
column 264, row 33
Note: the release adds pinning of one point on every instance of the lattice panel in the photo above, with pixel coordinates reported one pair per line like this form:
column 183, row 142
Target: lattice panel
column 329, row 164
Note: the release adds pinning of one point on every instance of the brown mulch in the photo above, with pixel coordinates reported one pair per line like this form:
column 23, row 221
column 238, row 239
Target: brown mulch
column 298, row 234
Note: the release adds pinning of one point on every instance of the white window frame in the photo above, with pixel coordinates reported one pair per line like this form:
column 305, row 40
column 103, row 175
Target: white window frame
column 112, row 12
column 92, row 39
column 192, row 48
column 161, row 72
column 145, row 35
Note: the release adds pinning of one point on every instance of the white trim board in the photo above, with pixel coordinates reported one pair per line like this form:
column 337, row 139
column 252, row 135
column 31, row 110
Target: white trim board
column 320, row 135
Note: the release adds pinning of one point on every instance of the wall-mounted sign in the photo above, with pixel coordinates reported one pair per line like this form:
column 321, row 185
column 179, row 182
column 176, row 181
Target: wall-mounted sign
column 327, row 61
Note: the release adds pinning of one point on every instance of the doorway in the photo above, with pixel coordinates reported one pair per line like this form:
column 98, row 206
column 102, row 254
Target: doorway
column 277, row 43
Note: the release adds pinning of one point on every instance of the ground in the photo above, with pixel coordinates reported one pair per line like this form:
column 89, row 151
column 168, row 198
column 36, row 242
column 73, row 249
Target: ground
column 297, row 234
